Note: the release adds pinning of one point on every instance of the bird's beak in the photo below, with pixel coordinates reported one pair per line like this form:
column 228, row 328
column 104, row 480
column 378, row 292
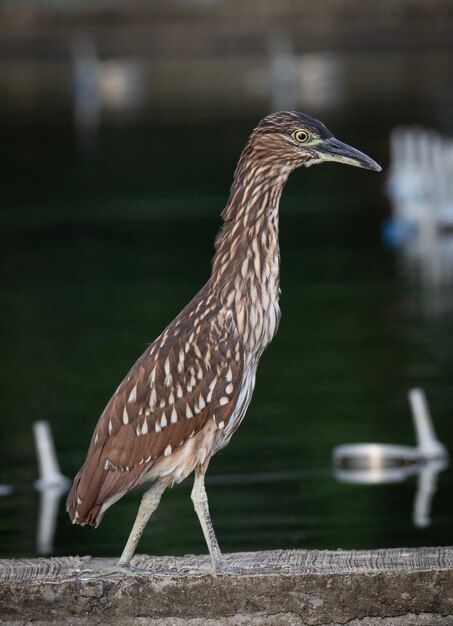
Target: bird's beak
column 334, row 150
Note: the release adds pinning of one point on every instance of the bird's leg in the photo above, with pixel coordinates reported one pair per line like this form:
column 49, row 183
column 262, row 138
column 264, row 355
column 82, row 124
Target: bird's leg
column 150, row 502
column 200, row 503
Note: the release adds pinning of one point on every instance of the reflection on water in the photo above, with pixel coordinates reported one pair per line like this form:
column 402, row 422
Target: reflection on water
column 427, row 473
column 426, row 488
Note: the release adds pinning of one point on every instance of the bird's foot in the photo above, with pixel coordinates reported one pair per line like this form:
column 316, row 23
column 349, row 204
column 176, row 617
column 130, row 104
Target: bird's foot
column 119, row 571
column 116, row 571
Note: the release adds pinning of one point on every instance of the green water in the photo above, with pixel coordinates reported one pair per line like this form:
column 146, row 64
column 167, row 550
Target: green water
column 100, row 253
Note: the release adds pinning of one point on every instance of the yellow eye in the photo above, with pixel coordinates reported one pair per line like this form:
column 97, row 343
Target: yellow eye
column 301, row 136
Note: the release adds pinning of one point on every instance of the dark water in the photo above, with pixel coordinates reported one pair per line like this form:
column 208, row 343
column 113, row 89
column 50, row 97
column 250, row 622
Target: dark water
column 99, row 254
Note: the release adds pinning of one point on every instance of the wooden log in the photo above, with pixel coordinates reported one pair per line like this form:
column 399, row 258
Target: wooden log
column 404, row 587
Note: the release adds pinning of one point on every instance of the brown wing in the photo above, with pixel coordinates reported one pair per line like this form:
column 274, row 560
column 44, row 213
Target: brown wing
column 189, row 375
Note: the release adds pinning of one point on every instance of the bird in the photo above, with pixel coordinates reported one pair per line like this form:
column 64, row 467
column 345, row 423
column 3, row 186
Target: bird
column 189, row 391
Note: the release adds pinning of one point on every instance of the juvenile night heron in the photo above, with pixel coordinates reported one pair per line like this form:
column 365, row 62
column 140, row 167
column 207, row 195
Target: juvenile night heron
column 187, row 394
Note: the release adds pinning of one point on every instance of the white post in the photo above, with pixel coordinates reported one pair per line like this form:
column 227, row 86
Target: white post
column 427, row 443
column 49, row 470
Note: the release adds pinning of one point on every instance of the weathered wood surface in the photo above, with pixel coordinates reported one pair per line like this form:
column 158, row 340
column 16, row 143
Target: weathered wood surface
column 404, row 587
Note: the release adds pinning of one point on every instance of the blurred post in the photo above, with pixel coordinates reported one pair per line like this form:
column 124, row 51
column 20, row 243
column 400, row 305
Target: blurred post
column 52, row 485
column 283, row 73
column 428, row 445
column 86, row 94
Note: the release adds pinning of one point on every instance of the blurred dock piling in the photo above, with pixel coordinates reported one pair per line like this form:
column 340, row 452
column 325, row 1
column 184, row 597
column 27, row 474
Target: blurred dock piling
column 428, row 446
column 51, row 484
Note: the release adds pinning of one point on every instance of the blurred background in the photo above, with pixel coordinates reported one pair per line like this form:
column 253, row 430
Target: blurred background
column 120, row 128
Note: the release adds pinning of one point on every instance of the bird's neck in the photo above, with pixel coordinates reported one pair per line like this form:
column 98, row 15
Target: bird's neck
column 246, row 265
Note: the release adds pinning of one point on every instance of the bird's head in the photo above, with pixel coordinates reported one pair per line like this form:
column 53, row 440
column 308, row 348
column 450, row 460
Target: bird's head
column 292, row 139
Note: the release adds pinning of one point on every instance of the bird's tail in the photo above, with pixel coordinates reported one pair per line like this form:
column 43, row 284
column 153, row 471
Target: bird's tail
column 98, row 485
column 83, row 503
